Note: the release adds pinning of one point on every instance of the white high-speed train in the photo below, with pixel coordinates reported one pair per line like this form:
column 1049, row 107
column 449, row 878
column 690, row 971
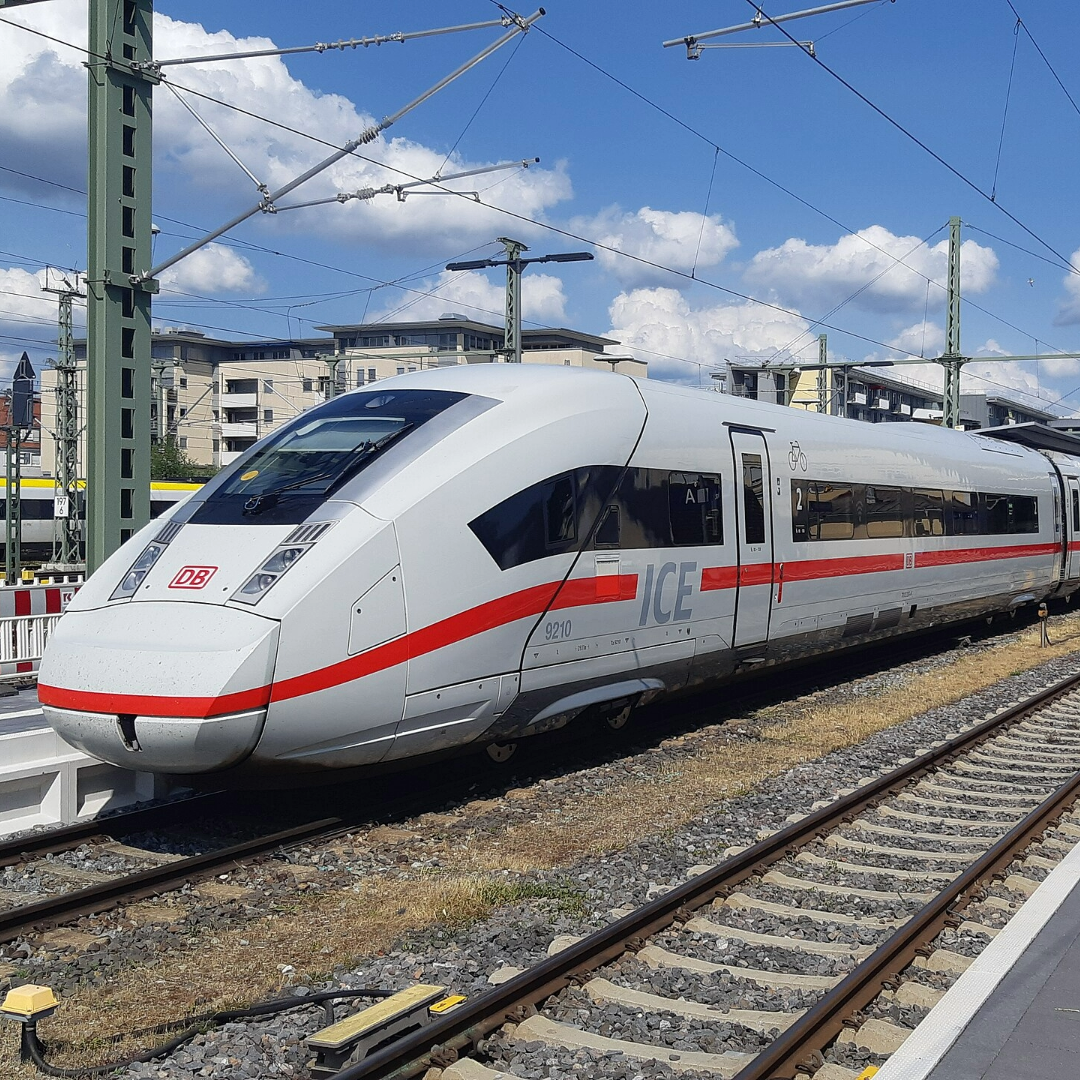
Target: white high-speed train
column 478, row 553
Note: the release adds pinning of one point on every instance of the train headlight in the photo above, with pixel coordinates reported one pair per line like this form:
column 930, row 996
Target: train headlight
column 131, row 581
column 257, row 586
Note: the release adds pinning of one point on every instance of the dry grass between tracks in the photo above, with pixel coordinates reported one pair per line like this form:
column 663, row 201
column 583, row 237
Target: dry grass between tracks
column 323, row 930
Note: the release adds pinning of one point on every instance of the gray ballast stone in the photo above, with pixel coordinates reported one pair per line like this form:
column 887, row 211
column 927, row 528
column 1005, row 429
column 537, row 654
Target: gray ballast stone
column 774, row 877
column 541, row 1029
column 654, row 956
column 818, row 948
column 601, row 990
column 742, row 902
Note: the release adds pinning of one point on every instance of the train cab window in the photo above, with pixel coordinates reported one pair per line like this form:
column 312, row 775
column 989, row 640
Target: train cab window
column 694, row 509
column 963, row 519
column 753, row 501
column 302, row 464
column 883, row 513
column 928, row 509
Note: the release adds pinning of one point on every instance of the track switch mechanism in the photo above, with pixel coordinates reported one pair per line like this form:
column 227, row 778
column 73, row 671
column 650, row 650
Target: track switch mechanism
column 360, row 1035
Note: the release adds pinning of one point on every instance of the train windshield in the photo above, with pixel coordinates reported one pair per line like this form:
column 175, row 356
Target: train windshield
column 305, row 462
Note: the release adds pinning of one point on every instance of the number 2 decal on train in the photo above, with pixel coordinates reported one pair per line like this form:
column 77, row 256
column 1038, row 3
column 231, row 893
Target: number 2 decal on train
column 663, row 602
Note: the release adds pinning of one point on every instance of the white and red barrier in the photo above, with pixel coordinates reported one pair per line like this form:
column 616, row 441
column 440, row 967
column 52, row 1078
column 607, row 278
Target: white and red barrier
column 28, row 614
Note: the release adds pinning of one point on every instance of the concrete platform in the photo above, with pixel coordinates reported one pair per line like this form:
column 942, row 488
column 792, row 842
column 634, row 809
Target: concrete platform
column 44, row 781
column 1015, row 1013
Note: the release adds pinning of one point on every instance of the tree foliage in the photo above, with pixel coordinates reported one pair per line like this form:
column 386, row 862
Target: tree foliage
column 169, row 462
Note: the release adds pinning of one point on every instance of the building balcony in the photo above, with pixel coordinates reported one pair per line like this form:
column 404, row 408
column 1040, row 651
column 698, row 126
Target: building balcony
column 239, row 401
column 227, row 457
column 240, row 430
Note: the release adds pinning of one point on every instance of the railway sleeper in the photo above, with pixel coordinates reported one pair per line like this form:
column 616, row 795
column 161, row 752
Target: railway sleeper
column 930, row 838
column 555, row 1033
column 841, row 841
column 779, row 941
column 979, row 808
column 774, row 877
column 808, row 858
column 602, row 991
column 940, row 789
column 656, row 957
column 743, row 902
column 935, row 819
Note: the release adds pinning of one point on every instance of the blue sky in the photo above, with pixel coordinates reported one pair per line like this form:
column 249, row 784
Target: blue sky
column 748, row 173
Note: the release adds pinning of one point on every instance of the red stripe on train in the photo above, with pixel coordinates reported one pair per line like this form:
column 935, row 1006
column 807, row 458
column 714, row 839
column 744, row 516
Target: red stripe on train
column 466, row 624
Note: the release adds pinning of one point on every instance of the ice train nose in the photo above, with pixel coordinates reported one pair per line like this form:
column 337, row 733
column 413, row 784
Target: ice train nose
column 171, row 688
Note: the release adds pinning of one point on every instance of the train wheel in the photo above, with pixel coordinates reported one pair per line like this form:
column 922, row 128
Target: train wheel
column 614, row 715
column 500, row 753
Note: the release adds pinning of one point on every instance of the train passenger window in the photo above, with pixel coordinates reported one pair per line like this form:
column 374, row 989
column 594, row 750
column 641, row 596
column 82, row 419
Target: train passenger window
column 1023, row 514
column 753, row 499
column 963, row 519
column 1076, row 510
column 643, row 500
column 694, row 509
column 547, row 518
column 608, row 532
column 833, row 511
column 928, row 512
column 883, row 513
column 560, row 517
column 995, row 514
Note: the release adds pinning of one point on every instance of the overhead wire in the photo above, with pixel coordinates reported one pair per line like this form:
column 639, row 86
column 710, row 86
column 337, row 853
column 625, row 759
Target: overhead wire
column 915, row 139
column 615, row 251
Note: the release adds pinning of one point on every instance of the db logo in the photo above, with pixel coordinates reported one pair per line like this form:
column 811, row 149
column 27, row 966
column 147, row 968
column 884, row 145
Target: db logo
column 192, row 577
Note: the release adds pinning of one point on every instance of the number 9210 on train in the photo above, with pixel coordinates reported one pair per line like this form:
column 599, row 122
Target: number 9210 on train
column 475, row 554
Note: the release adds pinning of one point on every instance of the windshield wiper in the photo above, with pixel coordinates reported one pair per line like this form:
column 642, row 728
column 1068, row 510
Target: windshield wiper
column 256, row 504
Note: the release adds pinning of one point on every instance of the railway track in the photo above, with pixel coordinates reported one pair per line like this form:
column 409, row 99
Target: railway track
column 819, row 940
column 92, row 866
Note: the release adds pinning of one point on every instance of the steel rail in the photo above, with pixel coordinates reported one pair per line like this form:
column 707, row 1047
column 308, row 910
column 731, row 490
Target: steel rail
column 65, row 837
column 29, row 917
column 443, row 1041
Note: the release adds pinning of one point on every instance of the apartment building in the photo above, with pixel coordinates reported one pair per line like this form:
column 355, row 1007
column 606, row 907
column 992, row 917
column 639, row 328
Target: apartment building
column 217, row 397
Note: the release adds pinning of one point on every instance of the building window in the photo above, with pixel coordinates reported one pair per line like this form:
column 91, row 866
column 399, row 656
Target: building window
column 308, row 386
column 401, row 369
column 183, row 442
column 268, row 386
column 370, row 374
column 268, row 415
column 360, row 377
column 217, row 446
column 183, row 382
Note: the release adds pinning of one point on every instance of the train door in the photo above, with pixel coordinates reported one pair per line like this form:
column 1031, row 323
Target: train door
column 1072, row 515
column 753, row 603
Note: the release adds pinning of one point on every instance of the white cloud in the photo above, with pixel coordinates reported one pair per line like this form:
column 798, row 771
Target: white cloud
column 46, row 134
column 1068, row 313
column 478, row 297
column 825, row 274
column 678, row 239
column 22, row 301
column 659, row 325
column 213, row 269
